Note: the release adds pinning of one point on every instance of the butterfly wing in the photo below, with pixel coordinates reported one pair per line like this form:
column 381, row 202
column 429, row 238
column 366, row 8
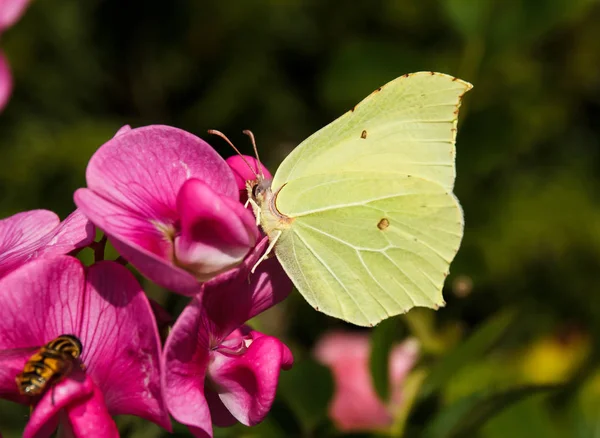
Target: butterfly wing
column 374, row 223
column 364, row 246
column 407, row 126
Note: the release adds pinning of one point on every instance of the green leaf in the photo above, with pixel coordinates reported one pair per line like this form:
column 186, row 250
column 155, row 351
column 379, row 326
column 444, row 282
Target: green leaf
column 307, row 389
column 410, row 392
column 474, row 347
column 541, row 421
column 466, row 416
column 382, row 340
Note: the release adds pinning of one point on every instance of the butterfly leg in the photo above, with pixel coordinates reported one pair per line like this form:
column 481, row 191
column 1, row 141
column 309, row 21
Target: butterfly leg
column 255, row 208
column 267, row 252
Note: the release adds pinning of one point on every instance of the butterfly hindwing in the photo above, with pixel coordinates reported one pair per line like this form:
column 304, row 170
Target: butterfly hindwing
column 364, row 246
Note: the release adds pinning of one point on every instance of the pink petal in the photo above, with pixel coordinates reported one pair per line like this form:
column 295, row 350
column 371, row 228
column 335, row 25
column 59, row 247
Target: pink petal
column 21, row 237
column 6, row 81
column 12, row 363
column 247, row 383
column 216, row 232
column 242, row 173
column 121, row 343
column 402, row 360
column 184, row 364
column 89, row 417
column 355, row 405
column 41, row 301
column 236, row 296
column 10, row 12
column 122, row 130
column 142, row 243
column 143, row 169
column 24, row 228
column 287, row 359
column 76, row 231
column 136, row 230
column 31, row 234
column 44, row 418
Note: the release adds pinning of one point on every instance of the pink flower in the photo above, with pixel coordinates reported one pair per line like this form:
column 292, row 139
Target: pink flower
column 6, row 81
column 169, row 204
column 10, row 12
column 106, row 309
column 216, row 369
column 32, row 234
column 355, row 405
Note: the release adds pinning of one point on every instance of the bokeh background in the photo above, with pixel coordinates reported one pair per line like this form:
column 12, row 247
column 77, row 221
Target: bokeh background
column 516, row 350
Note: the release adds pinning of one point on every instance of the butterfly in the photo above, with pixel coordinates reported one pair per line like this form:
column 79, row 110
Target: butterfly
column 361, row 214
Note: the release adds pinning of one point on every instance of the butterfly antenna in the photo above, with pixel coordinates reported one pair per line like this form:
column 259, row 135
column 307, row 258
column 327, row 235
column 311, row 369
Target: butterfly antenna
column 224, row 137
column 251, row 135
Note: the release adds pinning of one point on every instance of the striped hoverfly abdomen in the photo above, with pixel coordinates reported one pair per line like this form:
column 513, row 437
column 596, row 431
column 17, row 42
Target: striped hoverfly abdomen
column 51, row 362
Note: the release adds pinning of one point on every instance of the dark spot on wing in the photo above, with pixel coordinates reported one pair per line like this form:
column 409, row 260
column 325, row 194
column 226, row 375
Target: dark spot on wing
column 363, row 134
column 383, row 224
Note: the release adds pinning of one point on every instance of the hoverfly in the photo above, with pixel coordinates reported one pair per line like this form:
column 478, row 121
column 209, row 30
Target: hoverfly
column 50, row 363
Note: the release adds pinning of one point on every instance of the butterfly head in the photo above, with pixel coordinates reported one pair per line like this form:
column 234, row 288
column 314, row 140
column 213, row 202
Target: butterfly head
column 259, row 190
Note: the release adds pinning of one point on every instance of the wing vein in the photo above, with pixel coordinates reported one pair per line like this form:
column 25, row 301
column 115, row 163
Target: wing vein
column 418, row 288
column 356, row 248
column 350, row 204
column 422, row 241
column 380, row 285
column 334, row 276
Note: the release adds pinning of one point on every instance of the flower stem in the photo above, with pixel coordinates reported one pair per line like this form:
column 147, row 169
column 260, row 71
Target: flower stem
column 98, row 248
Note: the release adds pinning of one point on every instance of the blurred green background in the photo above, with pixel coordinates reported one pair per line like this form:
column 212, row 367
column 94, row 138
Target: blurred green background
column 516, row 350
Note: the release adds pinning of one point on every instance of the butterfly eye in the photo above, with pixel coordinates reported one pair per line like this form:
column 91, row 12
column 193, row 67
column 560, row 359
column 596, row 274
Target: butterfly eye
column 255, row 191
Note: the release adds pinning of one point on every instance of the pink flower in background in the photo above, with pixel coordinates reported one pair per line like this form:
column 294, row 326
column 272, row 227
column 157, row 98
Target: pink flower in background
column 106, row 309
column 32, row 234
column 215, row 369
column 6, row 81
column 10, row 12
column 169, row 204
column 355, row 405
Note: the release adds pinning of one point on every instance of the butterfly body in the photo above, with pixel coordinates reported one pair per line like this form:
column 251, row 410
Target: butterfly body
column 361, row 215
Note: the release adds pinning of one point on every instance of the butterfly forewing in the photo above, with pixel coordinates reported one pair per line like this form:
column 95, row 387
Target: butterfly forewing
column 407, row 126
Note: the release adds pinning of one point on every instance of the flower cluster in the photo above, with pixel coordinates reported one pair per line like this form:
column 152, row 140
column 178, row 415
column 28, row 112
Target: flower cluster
column 171, row 207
